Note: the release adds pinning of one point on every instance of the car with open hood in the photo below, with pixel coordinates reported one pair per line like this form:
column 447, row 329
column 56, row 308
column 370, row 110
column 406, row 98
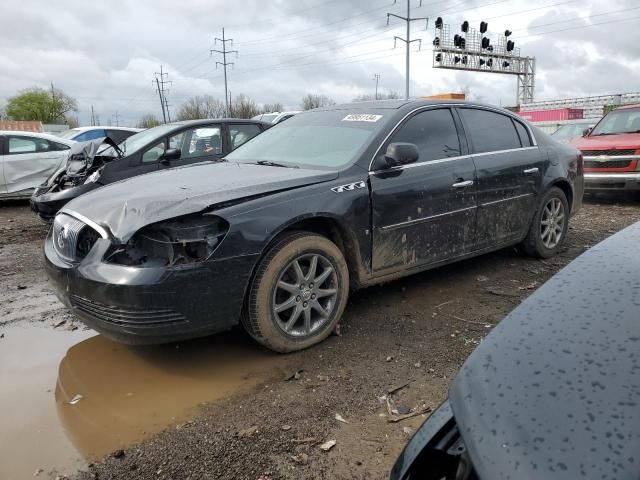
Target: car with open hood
column 159, row 148
column 611, row 151
column 331, row 200
column 553, row 391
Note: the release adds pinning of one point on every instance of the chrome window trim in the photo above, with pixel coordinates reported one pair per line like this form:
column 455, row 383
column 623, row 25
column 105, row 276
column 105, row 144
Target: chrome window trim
column 425, row 219
column 496, row 152
column 103, row 233
column 456, row 105
column 418, row 164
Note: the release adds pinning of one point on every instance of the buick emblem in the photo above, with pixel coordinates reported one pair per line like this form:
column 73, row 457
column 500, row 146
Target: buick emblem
column 61, row 236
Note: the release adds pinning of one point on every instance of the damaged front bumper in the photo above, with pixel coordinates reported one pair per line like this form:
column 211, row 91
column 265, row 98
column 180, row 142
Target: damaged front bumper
column 46, row 203
column 149, row 305
column 436, row 451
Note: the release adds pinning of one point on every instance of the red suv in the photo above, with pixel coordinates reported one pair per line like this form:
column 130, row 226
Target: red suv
column 611, row 151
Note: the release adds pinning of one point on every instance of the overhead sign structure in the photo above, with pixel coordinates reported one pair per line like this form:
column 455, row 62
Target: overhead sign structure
column 473, row 50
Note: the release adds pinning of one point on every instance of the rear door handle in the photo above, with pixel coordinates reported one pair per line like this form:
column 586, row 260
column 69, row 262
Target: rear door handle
column 464, row 184
column 531, row 171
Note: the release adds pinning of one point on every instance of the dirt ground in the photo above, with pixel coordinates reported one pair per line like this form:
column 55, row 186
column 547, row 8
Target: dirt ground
column 416, row 331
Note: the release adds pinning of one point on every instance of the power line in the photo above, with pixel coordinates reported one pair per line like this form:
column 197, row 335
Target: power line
column 224, row 63
column 407, row 40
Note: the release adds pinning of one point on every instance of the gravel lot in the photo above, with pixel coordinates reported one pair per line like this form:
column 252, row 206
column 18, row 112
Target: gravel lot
column 416, row 331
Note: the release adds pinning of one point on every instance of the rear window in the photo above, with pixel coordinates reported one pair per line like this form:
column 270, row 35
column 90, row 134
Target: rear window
column 489, row 131
column 525, row 140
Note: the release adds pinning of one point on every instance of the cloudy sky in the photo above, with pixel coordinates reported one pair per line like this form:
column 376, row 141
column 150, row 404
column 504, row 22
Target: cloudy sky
column 105, row 53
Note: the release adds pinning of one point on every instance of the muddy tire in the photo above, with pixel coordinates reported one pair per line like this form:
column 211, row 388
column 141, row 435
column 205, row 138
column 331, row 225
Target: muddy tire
column 298, row 293
column 550, row 225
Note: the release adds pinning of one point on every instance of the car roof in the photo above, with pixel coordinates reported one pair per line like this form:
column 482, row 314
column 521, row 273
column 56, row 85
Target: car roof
column 627, row 107
column 45, row 136
column 396, row 104
column 208, row 121
column 103, row 127
column 554, row 387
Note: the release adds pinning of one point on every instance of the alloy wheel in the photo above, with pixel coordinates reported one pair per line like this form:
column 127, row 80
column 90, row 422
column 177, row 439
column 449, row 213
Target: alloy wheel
column 552, row 223
column 305, row 295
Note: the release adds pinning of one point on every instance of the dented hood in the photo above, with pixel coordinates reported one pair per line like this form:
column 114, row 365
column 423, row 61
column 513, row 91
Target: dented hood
column 125, row 207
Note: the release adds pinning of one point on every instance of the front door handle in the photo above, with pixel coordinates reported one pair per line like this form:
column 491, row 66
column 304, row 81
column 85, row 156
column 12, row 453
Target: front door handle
column 531, row 171
column 464, row 184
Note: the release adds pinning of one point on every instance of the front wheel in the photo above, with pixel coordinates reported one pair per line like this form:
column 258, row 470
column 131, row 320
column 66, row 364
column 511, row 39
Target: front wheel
column 550, row 225
column 298, row 293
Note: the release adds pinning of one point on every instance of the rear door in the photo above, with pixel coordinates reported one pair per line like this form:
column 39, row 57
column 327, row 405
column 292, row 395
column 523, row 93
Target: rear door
column 424, row 212
column 29, row 161
column 509, row 175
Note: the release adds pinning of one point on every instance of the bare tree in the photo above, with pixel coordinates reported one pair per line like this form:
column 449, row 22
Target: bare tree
column 272, row 107
column 243, row 107
column 311, row 100
column 201, row 106
column 147, row 121
column 381, row 96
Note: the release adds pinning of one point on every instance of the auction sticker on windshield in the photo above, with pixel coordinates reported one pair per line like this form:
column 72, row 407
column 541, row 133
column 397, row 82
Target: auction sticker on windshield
column 362, row 117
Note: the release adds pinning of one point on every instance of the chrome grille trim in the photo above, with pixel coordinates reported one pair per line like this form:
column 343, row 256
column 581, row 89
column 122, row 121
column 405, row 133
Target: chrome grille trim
column 66, row 230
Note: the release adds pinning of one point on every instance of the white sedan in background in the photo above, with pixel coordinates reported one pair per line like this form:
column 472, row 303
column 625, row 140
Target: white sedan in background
column 27, row 159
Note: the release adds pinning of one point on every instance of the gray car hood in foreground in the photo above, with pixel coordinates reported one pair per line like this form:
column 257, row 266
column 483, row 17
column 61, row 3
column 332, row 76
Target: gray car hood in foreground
column 554, row 391
column 125, row 207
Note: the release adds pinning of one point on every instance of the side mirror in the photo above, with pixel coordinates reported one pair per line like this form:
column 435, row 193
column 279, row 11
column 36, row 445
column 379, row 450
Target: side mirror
column 171, row 154
column 586, row 131
column 401, row 154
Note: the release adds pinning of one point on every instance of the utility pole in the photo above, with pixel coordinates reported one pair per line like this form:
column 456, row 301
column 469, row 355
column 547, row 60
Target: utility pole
column 53, row 102
column 117, row 119
column 408, row 40
column 162, row 93
column 376, row 77
column 93, row 117
column 224, row 63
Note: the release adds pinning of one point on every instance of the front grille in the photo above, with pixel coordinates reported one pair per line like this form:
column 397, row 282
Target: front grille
column 608, row 153
column 66, row 230
column 129, row 317
column 607, row 164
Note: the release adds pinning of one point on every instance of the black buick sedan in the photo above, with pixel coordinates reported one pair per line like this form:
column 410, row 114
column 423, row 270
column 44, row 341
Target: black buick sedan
column 158, row 148
column 552, row 393
column 330, row 200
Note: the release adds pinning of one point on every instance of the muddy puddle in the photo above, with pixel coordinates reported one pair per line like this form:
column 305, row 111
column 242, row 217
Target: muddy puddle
column 124, row 394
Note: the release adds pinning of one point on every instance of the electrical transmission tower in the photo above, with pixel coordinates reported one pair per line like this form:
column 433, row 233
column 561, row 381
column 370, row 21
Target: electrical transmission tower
column 408, row 40
column 224, row 64
column 162, row 93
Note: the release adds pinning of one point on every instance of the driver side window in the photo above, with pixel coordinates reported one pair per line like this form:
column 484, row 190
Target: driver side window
column 153, row 154
column 433, row 132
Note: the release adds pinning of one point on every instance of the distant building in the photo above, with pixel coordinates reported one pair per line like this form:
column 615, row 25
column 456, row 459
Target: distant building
column 54, row 128
column 22, row 126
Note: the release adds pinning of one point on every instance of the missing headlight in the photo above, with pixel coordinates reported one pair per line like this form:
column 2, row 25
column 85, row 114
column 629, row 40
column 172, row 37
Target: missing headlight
column 179, row 241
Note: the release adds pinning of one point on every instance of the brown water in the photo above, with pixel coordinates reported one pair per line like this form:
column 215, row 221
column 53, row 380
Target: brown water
column 127, row 393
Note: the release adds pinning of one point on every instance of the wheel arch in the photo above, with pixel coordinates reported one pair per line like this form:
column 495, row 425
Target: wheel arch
column 564, row 185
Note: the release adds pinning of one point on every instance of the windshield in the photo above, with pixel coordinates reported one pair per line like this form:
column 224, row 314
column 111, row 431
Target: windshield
column 142, row 139
column 567, row 132
column 69, row 134
column 325, row 139
column 618, row 121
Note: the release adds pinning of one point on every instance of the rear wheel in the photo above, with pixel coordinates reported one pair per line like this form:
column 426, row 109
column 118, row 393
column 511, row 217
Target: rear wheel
column 298, row 294
column 550, row 224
